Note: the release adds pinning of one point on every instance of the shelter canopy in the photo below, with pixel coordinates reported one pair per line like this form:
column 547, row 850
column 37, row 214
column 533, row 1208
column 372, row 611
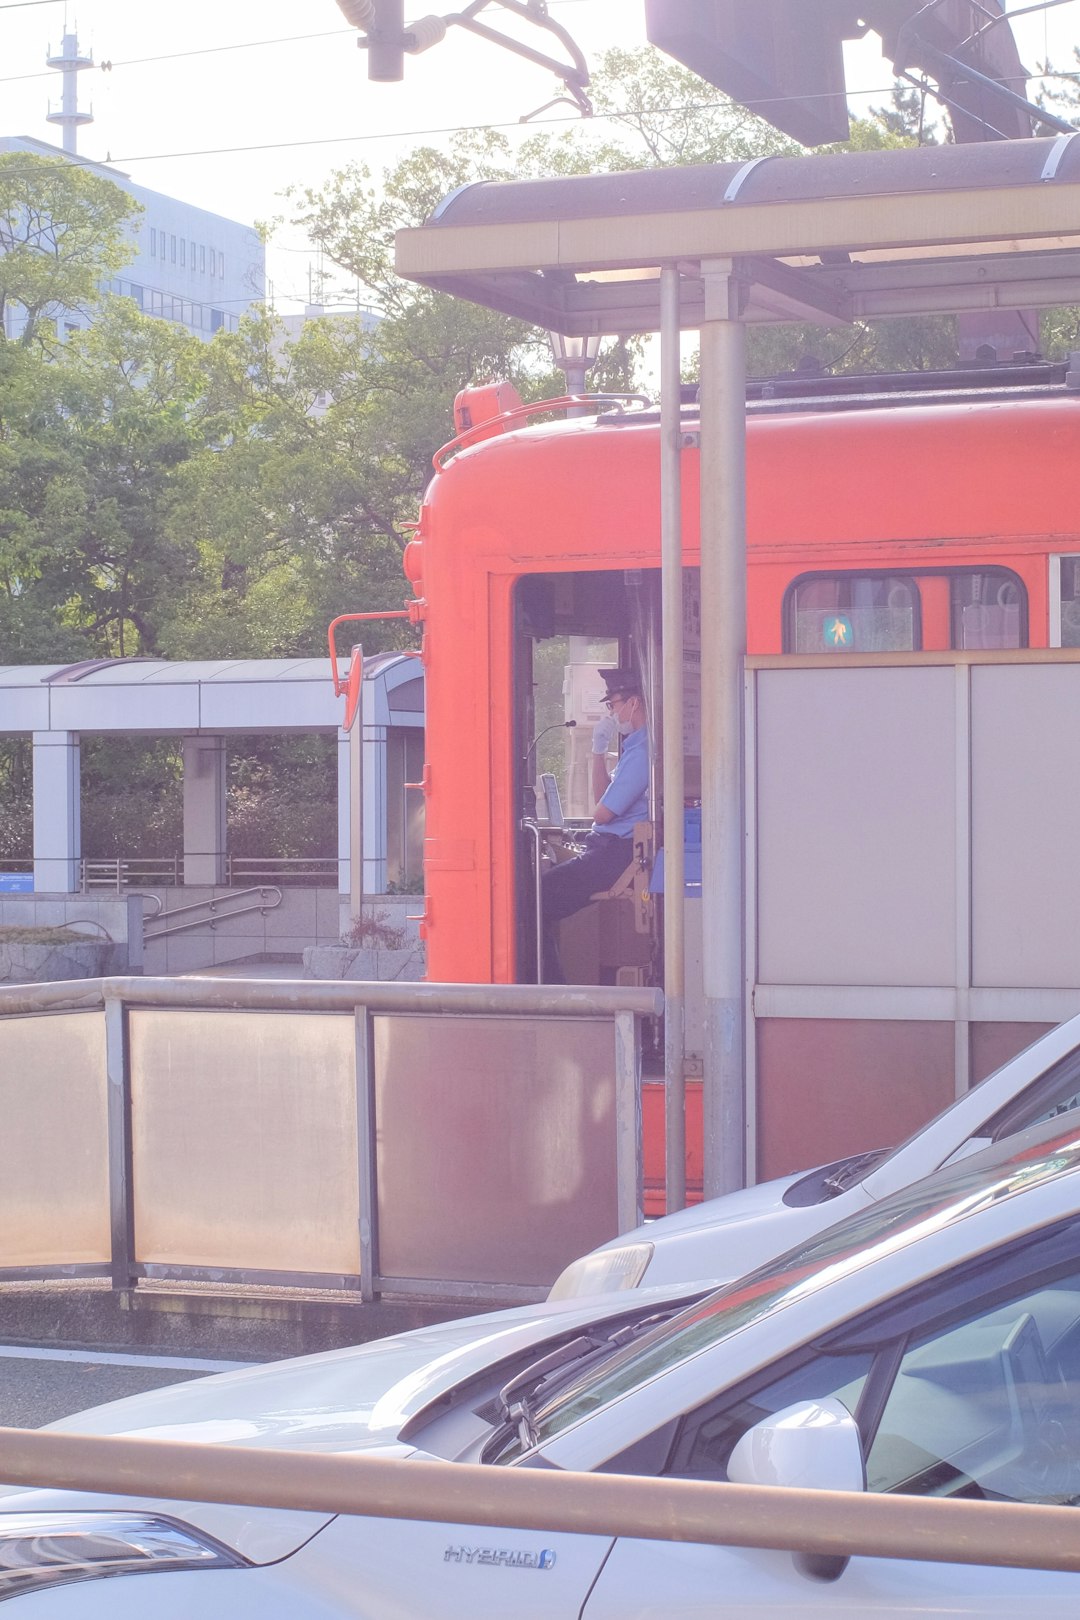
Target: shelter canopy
column 827, row 237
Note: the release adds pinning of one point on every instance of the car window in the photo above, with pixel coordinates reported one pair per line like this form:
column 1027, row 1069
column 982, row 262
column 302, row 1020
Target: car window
column 1053, row 1093
column 985, row 1404
column 988, row 1408
column 706, row 1438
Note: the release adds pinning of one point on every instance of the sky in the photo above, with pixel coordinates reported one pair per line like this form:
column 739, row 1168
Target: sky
column 225, row 103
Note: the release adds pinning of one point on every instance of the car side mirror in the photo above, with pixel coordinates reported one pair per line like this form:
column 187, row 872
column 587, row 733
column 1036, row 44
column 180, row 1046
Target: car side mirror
column 814, row 1446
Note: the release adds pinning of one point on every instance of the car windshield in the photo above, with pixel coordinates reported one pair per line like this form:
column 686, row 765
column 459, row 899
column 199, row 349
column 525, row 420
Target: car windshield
column 1044, row 1152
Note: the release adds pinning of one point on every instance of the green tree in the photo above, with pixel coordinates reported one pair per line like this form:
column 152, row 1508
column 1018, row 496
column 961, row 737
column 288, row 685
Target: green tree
column 62, row 232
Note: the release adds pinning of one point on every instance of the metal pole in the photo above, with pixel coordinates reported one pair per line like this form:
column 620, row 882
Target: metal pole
column 121, row 1218
column 671, row 591
column 366, row 1152
column 356, row 801
column 723, row 652
column 533, row 827
column 1018, row 1535
column 576, row 373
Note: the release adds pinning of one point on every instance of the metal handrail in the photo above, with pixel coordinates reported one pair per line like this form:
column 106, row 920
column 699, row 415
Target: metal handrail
column 772, row 1517
column 117, row 872
column 274, row 866
column 333, row 995
column 208, row 908
column 121, row 872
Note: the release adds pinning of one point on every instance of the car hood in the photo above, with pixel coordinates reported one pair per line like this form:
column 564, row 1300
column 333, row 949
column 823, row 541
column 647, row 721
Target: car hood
column 352, row 1400
column 724, row 1238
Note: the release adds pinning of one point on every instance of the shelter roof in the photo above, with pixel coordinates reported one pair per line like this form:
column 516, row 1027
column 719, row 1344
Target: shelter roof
column 828, row 237
column 147, row 695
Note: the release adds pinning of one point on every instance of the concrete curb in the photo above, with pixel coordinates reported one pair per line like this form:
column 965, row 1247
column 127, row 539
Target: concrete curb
column 197, row 1320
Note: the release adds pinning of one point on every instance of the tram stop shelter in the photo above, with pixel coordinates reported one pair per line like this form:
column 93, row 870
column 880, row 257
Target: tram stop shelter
column 205, row 704
column 826, row 238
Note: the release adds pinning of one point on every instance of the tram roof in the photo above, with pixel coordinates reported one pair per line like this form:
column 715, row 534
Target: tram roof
column 826, row 237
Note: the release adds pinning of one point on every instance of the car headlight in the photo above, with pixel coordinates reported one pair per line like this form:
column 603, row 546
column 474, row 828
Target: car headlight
column 606, row 1272
column 50, row 1549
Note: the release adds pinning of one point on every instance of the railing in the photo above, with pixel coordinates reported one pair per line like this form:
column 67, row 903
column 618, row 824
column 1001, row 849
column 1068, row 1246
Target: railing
column 829, row 1524
column 310, row 871
column 167, row 871
column 296, row 1133
column 122, row 872
column 208, row 913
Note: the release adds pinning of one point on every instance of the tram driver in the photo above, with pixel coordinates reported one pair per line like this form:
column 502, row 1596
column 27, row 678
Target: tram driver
column 622, row 800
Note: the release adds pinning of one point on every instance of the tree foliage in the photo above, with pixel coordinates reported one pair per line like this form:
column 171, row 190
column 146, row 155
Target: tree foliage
column 62, row 231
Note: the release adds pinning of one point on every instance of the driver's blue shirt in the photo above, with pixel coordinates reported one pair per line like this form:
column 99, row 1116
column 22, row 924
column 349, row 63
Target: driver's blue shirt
column 627, row 794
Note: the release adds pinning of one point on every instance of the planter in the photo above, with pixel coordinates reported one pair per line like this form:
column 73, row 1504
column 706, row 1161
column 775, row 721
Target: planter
column 363, row 962
column 68, row 959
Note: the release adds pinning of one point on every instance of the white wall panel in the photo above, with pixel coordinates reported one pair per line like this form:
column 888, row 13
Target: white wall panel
column 856, row 826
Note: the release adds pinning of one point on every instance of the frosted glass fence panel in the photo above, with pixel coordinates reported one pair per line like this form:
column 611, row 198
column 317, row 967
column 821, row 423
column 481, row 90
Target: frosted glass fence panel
column 244, row 1151
column 54, row 1190
column 496, row 1156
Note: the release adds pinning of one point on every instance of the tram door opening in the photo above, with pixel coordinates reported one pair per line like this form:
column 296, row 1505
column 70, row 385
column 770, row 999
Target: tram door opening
column 568, row 627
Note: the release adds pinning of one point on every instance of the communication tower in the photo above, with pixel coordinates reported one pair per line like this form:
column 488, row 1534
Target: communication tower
column 70, row 62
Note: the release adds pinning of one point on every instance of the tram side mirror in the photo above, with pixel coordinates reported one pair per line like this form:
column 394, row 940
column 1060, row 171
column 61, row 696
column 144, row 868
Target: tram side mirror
column 813, row 1446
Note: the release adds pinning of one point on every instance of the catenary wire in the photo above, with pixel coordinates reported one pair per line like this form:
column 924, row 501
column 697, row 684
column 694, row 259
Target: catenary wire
column 419, row 134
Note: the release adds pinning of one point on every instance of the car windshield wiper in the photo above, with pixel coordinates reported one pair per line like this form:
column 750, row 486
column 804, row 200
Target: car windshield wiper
column 522, row 1397
column 853, row 1170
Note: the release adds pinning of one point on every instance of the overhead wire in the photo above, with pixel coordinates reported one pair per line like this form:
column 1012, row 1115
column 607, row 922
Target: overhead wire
column 406, row 134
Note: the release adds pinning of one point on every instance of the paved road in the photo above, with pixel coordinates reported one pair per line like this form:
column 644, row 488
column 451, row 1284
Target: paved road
column 38, row 1386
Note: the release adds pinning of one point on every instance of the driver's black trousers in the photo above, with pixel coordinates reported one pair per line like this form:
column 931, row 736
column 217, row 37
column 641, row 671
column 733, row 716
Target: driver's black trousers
column 567, row 886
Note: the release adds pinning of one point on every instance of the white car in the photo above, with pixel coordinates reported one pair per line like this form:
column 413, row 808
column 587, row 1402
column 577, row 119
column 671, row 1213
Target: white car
column 929, row 1345
column 725, row 1237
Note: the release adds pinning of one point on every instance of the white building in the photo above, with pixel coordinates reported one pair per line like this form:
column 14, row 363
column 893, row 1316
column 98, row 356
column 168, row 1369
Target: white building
column 188, row 265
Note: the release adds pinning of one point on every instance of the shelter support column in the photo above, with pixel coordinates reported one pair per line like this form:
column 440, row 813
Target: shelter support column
column 376, row 809
column 723, row 655
column 344, row 813
column 363, row 809
column 204, row 811
column 57, row 812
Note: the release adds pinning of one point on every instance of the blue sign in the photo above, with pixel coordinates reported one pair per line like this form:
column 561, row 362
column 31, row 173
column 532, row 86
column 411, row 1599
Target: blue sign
column 838, row 634
column 16, row 882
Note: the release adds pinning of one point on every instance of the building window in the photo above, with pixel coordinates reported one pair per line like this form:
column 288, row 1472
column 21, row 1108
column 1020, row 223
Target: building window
column 202, row 258
column 217, row 320
column 221, row 265
column 135, row 291
column 172, row 248
column 213, row 267
column 193, row 255
column 153, row 242
column 183, row 251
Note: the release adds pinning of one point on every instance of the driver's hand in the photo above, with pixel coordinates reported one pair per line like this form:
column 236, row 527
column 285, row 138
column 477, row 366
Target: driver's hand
column 603, row 735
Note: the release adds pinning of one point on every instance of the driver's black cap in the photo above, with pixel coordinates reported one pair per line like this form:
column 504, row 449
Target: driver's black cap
column 624, row 681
